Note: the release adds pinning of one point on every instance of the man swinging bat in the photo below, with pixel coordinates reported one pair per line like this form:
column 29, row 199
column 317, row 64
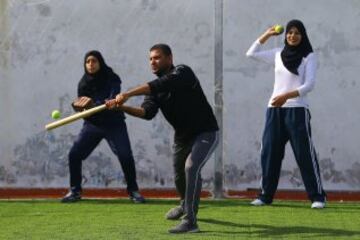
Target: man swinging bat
column 178, row 94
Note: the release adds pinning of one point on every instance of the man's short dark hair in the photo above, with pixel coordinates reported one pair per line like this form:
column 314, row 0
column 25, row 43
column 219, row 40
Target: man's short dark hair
column 163, row 47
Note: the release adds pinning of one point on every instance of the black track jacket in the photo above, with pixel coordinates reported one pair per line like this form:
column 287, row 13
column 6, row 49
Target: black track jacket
column 181, row 99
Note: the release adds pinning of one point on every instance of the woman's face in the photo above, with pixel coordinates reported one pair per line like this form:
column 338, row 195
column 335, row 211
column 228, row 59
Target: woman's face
column 92, row 65
column 293, row 37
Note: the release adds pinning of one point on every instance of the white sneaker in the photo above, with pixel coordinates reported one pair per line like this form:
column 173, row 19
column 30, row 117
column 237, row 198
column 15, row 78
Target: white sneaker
column 257, row 202
column 318, row 205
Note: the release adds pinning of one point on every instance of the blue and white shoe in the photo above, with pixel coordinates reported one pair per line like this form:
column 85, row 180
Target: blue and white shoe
column 136, row 197
column 71, row 196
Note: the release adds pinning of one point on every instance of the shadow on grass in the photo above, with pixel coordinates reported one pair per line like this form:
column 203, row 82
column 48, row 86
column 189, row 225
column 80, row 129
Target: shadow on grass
column 128, row 201
column 94, row 201
column 288, row 205
column 246, row 203
column 223, row 203
column 206, row 203
column 329, row 206
column 345, row 206
column 279, row 231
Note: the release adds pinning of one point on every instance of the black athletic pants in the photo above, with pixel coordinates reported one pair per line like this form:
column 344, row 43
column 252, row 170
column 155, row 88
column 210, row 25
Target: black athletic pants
column 89, row 137
column 189, row 157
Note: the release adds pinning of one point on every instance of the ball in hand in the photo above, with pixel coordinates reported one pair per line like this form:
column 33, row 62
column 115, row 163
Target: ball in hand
column 279, row 29
column 55, row 114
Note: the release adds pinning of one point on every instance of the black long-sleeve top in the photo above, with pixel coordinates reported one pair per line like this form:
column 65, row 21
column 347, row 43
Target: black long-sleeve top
column 108, row 89
column 179, row 96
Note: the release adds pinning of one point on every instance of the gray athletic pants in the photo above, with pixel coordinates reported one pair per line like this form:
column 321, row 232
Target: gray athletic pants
column 189, row 157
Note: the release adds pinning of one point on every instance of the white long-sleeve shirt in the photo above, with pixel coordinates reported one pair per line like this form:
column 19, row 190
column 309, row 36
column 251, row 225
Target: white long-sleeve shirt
column 286, row 81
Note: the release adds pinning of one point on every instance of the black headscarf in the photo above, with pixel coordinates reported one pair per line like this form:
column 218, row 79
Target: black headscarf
column 293, row 55
column 92, row 83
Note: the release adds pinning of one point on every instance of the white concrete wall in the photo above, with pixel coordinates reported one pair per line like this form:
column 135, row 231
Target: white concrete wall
column 42, row 44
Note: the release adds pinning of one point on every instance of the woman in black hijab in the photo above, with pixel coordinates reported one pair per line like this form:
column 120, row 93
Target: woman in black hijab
column 98, row 84
column 294, row 51
column 288, row 115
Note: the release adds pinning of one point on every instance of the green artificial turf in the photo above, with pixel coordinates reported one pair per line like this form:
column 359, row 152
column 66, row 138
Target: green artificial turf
column 217, row 219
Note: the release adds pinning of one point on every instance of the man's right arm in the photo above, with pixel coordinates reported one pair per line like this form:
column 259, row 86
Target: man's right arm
column 133, row 111
column 149, row 108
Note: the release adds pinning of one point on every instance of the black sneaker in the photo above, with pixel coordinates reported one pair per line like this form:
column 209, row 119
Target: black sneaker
column 136, row 197
column 185, row 227
column 71, row 196
column 175, row 213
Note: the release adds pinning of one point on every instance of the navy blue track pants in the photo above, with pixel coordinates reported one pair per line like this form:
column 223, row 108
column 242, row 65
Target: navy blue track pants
column 89, row 137
column 283, row 125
